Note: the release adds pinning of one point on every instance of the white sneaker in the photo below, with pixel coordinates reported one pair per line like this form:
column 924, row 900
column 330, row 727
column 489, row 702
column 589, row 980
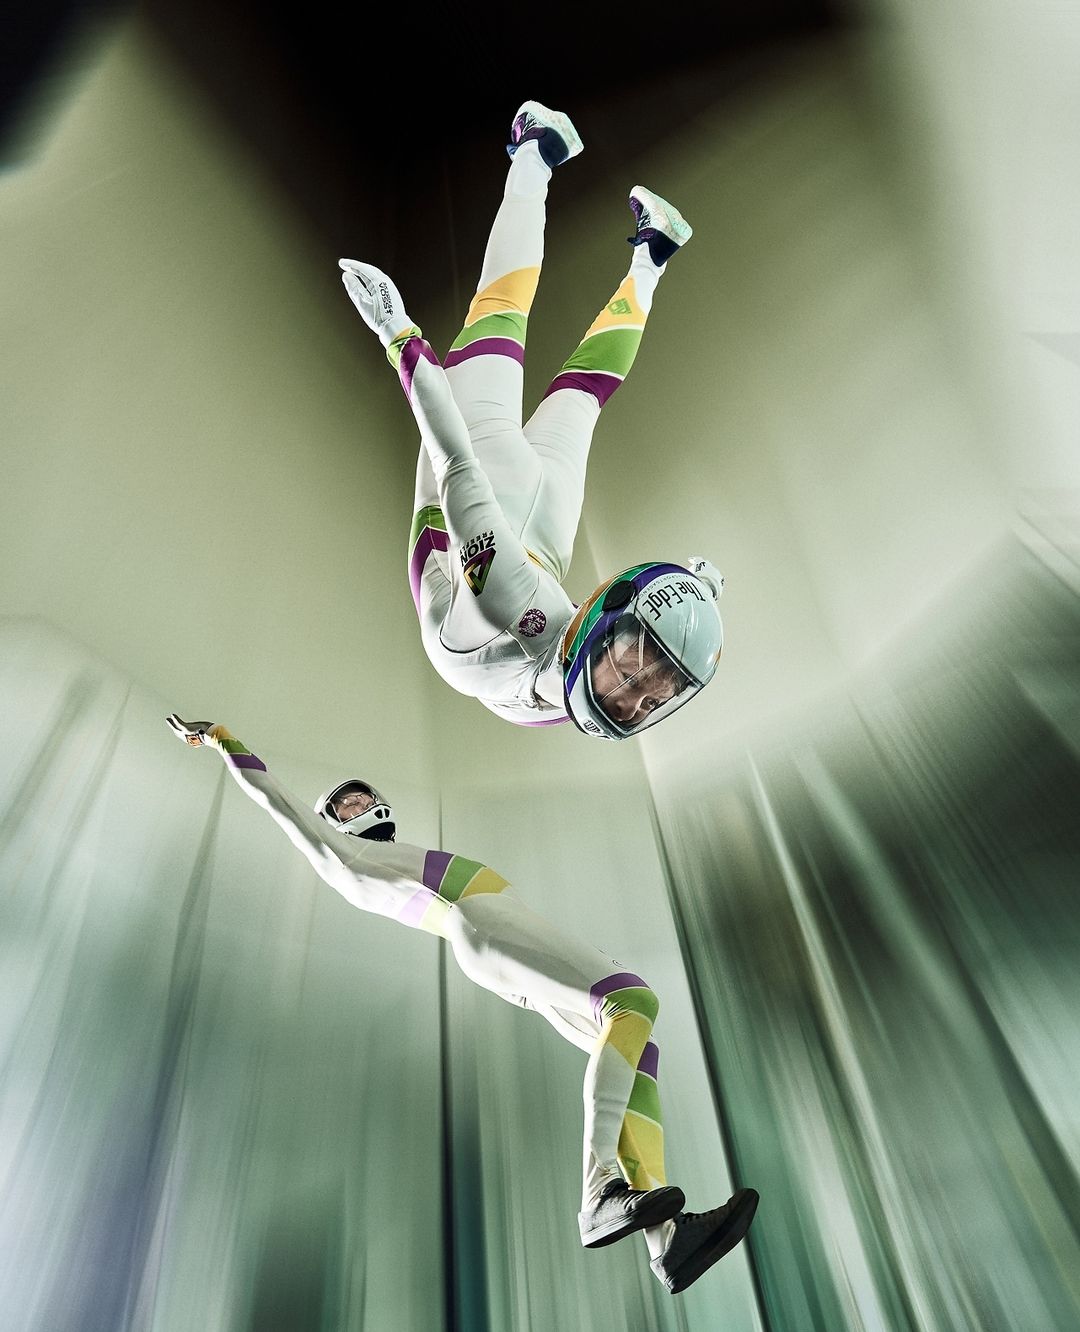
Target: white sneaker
column 377, row 299
column 659, row 225
column 554, row 133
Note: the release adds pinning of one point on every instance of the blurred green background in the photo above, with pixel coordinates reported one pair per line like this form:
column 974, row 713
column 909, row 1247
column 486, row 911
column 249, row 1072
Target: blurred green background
column 230, row 1101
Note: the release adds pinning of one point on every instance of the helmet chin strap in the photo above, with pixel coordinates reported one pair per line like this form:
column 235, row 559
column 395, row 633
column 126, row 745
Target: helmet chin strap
column 344, row 827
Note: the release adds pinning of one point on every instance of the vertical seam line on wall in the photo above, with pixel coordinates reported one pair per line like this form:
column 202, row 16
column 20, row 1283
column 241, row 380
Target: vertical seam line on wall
column 723, row 1120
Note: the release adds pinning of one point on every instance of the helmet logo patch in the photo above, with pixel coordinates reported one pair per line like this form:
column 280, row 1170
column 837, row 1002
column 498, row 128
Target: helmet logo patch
column 671, row 594
column 533, row 622
column 477, row 556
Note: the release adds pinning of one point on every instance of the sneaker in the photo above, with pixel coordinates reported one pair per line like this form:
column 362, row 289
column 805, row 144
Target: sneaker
column 660, row 226
column 377, row 299
column 553, row 132
column 702, row 1238
column 620, row 1210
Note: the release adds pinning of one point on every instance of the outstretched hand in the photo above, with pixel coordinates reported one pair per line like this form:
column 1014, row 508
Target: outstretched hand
column 377, row 298
column 709, row 574
column 360, row 288
column 192, row 733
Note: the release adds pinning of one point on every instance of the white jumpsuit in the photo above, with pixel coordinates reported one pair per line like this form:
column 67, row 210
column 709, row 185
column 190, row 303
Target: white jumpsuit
column 497, row 502
column 504, row 946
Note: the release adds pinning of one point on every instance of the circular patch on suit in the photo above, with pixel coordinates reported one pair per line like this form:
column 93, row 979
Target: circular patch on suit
column 533, row 622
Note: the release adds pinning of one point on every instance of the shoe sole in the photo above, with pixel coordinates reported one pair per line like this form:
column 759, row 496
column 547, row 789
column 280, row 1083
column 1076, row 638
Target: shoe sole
column 663, row 216
column 719, row 1243
column 663, row 1208
column 562, row 125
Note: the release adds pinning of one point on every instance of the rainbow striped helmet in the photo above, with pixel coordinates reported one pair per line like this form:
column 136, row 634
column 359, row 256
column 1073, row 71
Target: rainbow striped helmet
column 642, row 645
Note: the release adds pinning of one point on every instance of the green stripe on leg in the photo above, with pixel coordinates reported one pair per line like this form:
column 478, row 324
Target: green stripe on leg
column 634, row 999
column 504, row 324
column 612, row 351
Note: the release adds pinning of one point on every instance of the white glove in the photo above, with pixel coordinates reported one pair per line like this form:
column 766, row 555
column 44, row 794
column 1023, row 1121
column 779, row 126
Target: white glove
column 192, row 733
column 377, row 299
column 709, row 574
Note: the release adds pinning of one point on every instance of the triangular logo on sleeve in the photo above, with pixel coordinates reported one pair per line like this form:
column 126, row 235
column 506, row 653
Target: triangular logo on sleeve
column 476, row 571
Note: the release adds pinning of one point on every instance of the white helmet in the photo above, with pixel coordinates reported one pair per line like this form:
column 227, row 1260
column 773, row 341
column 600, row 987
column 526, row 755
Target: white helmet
column 375, row 821
column 642, row 645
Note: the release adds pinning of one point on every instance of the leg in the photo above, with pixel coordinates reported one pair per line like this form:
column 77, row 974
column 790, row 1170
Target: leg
column 640, row 1152
column 561, row 429
column 486, row 358
column 485, row 363
column 504, row 946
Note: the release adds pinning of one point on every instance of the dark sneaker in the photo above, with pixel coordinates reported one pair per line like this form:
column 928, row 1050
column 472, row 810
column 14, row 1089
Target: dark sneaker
column 620, row 1210
column 554, row 132
column 702, row 1238
column 659, row 225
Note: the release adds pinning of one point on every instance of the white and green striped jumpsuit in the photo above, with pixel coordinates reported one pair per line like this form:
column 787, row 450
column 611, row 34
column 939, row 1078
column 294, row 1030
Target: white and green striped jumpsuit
column 497, row 501
column 504, row 946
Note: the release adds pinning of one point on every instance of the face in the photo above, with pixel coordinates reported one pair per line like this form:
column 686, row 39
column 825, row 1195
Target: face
column 631, row 678
column 351, row 803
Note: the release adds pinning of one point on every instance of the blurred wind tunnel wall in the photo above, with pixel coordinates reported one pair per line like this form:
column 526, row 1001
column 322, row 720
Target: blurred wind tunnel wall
column 228, row 1100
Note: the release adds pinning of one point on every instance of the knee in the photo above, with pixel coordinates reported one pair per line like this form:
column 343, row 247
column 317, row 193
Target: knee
column 640, row 1003
column 650, row 1005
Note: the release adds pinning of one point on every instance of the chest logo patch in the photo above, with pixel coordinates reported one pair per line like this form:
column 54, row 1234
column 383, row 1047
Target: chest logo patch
column 533, row 622
column 477, row 557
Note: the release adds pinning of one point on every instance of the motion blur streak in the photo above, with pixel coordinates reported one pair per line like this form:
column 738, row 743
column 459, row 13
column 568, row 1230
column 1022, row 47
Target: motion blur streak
column 879, row 927
column 172, row 1154
column 882, row 906
column 230, row 1100
column 231, row 1103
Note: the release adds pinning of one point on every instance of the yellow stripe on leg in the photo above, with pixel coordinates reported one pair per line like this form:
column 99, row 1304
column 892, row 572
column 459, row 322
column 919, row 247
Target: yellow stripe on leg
column 484, row 881
column 627, row 1032
column 641, row 1152
column 512, row 292
column 622, row 310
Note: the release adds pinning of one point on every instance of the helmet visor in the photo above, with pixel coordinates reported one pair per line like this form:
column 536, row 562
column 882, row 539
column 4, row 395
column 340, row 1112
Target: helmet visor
column 633, row 681
column 351, row 799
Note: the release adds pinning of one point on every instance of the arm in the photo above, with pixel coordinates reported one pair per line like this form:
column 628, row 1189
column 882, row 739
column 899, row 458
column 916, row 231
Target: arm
column 326, row 850
column 494, row 579
column 387, row 878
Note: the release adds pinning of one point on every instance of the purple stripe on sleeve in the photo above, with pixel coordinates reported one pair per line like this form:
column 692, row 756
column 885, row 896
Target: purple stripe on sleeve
column 622, row 980
column 650, row 1059
column 412, row 913
column 431, row 538
column 548, row 721
column 596, row 382
column 486, row 347
column 246, row 761
column 435, row 866
column 414, row 351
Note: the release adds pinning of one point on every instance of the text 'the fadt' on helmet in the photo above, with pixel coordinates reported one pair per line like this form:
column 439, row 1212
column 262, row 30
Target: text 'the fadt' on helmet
column 373, row 819
column 643, row 644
